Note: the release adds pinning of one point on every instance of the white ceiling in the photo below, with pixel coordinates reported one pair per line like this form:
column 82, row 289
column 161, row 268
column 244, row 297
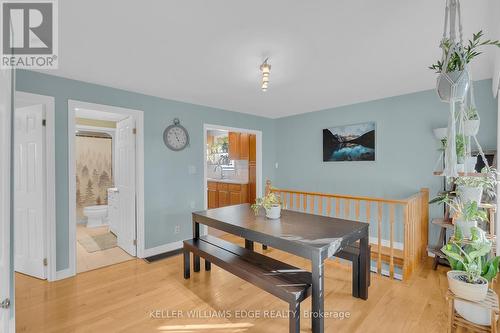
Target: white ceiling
column 323, row 53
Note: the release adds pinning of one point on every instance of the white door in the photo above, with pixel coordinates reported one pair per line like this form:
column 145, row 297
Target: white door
column 29, row 191
column 125, row 183
column 5, row 200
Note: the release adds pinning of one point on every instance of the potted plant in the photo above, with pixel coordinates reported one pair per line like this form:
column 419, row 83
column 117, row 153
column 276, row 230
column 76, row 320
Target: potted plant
column 460, row 148
column 271, row 203
column 453, row 80
column 465, row 215
column 471, row 122
column 472, row 188
column 471, row 271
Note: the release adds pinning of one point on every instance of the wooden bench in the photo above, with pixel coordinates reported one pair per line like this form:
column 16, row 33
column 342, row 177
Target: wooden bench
column 352, row 254
column 284, row 281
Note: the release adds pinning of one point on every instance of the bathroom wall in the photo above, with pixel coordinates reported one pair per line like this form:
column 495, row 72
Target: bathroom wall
column 94, row 172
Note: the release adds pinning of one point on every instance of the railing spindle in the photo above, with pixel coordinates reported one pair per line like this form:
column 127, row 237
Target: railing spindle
column 379, row 239
column 337, row 207
column 320, row 205
column 347, row 208
column 297, row 201
column 304, row 209
column 311, row 204
column 328, row 206
column 391, row 222
column 356, row 208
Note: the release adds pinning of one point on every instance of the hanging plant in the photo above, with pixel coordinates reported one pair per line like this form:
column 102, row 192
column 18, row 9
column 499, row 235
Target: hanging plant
column 463, row 55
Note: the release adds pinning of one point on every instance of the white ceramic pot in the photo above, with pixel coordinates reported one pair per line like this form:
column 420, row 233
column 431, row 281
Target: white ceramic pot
column 465, row 227
column 469, row 291
column 471, row 127
column 470, row 163
column 453, row 86
column 440, row 133
column 274, row 212
column 473, row 313
column 469, row 194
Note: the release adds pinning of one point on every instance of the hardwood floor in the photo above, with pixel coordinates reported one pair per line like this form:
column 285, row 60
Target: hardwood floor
column 134, row 296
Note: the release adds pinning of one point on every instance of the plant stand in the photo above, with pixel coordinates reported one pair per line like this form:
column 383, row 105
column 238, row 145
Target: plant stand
column 455, row 320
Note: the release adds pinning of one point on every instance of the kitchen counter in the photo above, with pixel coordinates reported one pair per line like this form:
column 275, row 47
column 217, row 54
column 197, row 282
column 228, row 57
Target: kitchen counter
column 228, row 181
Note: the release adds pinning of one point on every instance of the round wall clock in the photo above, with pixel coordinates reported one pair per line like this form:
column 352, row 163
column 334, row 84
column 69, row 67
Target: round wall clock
column 175, row 136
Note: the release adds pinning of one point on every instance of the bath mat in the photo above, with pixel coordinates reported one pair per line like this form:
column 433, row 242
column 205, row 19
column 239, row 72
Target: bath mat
column 98, row 242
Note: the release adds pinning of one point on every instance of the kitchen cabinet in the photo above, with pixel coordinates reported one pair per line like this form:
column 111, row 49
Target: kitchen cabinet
column 213, row 198
column 226, row 194
column 234, row 145
column 244, row 146
column 252, row 148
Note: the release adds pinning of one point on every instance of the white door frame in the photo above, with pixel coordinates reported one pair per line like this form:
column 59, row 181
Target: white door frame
column 139, row 123
column 27, row 99
column 258, row 143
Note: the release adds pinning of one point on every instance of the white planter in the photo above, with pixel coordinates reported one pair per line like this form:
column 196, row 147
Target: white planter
column 453, row 86
column 440, row 133
column 468, row 291
column 469, row 194
column 473, row 313
column 471, row 127
column 274, row 212
column 465, row 227
column 470, row 163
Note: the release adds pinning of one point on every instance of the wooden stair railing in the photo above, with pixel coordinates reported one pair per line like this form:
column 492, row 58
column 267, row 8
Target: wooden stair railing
column 398, row 227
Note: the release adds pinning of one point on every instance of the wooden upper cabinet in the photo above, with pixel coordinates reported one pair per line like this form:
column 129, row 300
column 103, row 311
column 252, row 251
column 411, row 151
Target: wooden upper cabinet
column 252, row 148
column 244, row 146
column 234, row 145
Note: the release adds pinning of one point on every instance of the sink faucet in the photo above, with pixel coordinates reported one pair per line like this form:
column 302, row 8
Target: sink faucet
column 219, row 166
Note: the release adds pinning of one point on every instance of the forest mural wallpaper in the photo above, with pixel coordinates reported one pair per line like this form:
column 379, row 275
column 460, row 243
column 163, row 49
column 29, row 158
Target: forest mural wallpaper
column 94, row 172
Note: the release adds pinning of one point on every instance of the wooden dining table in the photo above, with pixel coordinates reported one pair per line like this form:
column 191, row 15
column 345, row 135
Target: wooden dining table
column 313, row 237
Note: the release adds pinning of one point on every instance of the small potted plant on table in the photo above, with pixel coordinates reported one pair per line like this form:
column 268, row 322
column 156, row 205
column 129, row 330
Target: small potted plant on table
column 271, row 203
column 471, row 272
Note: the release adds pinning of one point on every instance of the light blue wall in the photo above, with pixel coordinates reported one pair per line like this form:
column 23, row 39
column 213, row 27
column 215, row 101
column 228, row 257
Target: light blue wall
column 405, row 146
column 406, row 149
column 169, row 189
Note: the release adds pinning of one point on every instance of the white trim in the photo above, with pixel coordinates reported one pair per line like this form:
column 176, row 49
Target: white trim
column 64, row 274
column 139, row 124
column 387, row 243
column 12, row 325
column 258, row 143
column 50, row 215
column 162, row 249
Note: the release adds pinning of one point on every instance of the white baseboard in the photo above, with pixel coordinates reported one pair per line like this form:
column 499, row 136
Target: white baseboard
column 63, row 274
column 387, row 243
column 162, row 249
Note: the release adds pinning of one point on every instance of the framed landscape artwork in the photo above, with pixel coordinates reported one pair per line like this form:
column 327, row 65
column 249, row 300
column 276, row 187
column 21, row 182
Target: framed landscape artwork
column 349, row 143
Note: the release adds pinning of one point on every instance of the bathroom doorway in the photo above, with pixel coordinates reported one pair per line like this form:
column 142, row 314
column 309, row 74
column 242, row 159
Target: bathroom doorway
column 103, row 185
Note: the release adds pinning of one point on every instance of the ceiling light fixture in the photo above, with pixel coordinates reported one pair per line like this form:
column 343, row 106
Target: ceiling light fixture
column 265, row 68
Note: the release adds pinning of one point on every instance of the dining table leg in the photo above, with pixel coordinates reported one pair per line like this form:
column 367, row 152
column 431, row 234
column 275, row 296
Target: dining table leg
column 249, row 245
column 364, row 267
column 318, row 295
column 196, row 259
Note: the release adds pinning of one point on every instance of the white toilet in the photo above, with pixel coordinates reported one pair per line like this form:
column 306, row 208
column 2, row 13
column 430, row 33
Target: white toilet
column 97, row 216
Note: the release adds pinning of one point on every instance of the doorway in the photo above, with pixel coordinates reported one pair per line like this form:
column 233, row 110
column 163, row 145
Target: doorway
column 233, row 166
column 106, row 185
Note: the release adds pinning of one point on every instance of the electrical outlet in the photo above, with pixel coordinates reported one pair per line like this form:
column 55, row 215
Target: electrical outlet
column 177, row 229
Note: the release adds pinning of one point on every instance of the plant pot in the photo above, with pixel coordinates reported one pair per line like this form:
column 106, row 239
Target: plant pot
column 465, row 227
column 274, row 212
column 453, row 86
column 470, row 194
column 473, row 312
column 469, row 291
column 471, row 127
column 470, row 163
column 440, row 133
column 460, row 167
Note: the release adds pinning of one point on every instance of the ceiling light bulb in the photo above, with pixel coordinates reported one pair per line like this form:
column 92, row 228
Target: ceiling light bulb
column 265, row 68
